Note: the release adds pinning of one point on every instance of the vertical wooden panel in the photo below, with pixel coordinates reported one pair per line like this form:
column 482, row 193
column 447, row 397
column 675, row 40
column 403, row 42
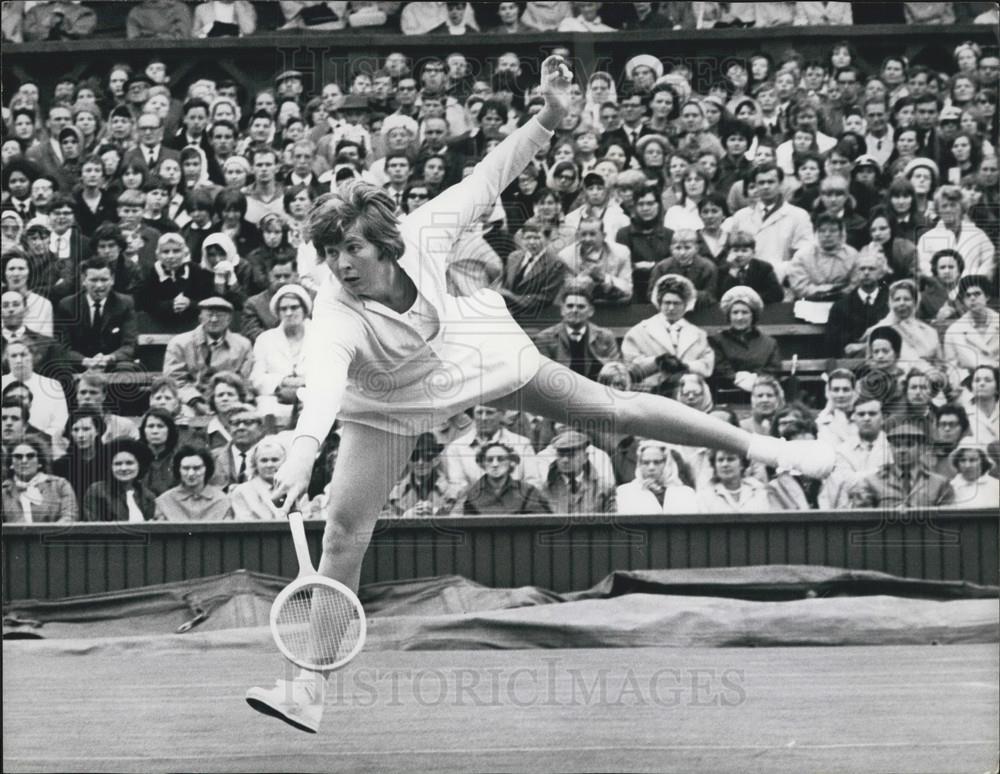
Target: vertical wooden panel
column 989, row 542
column 796, row 543
column 717, row 543
column 757, row 545
column 559, row 551
column 17, row 557
column 117, row 558
column 523, row 559
column 583, row 533
column 174, row 561
column 426, row 540
column 739, row 546
column 835, row 540
column 777, row 544
column 96, row 576
column 969, row 546
column 36, row 566
column 136, row 561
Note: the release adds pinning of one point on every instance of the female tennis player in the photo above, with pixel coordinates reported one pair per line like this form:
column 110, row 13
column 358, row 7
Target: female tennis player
column 393, row 354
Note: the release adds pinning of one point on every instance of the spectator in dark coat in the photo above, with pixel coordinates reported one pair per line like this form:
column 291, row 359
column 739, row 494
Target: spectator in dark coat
column 741, row 350
column 497, row 491
column 685, row 261
column 742, row 268
column 856, row 312
column 173, row 286
column 121, row 495
column 97, row 325
column 647, row 239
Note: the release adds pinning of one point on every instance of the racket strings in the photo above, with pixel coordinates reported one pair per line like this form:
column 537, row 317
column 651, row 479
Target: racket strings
column 318, row 625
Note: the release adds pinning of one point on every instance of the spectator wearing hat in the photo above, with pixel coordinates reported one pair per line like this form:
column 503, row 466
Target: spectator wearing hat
column 347, row 125
column 860, row 309
column 257, row 316
column 278, row 364
column 974, row 339
column 954, row 231
column 533, row 274
column 658, row 486
column 424, row 490
column 743, row 268
column 192, row 358
column 823, row 270
column 571, row 483
column 288, row 85
column 974, row 485
column 121, row 495
column 667, row 345
column 235, row 18
column 97, row 326
column 865, row 188
column 575, row 341
column 742, row 351
column 398, row 135
column 173, row 286
column 232, row 461
column 193, row 499
column 598, row 204
column 497, row 491
column 607, row 266
column 161, row 19
column 906, row 482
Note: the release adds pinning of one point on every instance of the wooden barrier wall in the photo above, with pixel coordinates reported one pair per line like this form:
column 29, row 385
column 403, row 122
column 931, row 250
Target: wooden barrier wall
column 557, row 552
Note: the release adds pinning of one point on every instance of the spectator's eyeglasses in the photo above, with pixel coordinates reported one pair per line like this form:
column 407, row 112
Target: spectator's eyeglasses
column 406, row 88
column 416, row 195
column 245, row 421
column 487, row 460
column 835, row 192
column 28, row 456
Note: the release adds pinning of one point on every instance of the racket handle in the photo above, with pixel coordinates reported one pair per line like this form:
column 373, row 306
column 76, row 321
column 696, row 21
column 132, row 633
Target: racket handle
column 299, row 540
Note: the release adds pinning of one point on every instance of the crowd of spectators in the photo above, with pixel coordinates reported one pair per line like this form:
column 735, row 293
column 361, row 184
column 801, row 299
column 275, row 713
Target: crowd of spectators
column 870, row 195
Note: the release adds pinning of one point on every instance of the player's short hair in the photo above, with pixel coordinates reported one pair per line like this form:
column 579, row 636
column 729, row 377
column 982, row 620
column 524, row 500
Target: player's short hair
column 361, row 203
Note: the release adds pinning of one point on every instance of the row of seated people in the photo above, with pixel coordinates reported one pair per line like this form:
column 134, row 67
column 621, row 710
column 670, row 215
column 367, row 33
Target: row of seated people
column 921, row 452
column 176, row 20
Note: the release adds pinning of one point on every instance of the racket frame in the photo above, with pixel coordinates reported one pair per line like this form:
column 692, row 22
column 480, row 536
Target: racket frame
column 309, row 577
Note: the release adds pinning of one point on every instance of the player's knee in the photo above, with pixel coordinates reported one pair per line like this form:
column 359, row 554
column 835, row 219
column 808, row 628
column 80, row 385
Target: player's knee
column 342, row 535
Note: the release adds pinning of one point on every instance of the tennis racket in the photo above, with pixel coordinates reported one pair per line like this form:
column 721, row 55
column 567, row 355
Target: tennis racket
column 317, row 623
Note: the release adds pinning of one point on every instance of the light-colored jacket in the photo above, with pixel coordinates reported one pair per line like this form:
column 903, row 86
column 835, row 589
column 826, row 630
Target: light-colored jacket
column 653, row 337
column 634, row 498
column 972, row 244
column 778, row 237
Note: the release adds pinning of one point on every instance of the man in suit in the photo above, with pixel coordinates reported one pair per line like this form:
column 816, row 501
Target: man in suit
column 744, row 269
column 533, row 275
column 97, row 325
column 856, row 312
column 66, row 241
column 195, row 120
column 47, row 154
column 232, row 460
column 150, row 151
column 257, row 316
column 48, row 357
column 574, row 341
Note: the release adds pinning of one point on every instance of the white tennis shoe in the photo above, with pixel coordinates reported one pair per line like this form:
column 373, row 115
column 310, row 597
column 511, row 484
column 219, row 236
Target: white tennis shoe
column 298, row 702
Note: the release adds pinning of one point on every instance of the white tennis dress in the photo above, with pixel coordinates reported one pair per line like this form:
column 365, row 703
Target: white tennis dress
column 407, row 373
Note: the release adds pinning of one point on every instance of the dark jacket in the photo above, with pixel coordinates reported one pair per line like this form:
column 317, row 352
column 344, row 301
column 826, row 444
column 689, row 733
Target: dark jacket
column 743, row 351
column 758, row 275
column 87, row 219
column 118, row 334
column 528, row 295
column 106, row 502
column 850, row 318
column 600, row 347
column 646, row 244
column 156, row 295
column 515, row 497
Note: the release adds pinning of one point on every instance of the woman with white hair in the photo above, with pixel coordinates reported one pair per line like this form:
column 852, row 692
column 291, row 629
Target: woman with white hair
column 394, row 354
column 667, row 343
column 742, row 351
column 278, row 354
column 398, row 134
column 251, row 500
column 657, row 486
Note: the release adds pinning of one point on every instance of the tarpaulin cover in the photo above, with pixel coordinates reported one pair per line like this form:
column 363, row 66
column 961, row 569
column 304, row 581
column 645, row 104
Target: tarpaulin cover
column 716, row 607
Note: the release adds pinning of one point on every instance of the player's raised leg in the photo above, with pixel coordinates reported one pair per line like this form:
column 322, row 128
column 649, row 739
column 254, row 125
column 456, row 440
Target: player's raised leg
column 369, row 464
column 564, row 396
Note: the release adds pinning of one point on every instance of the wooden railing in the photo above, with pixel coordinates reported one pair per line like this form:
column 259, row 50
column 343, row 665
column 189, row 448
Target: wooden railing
column 557, row 552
